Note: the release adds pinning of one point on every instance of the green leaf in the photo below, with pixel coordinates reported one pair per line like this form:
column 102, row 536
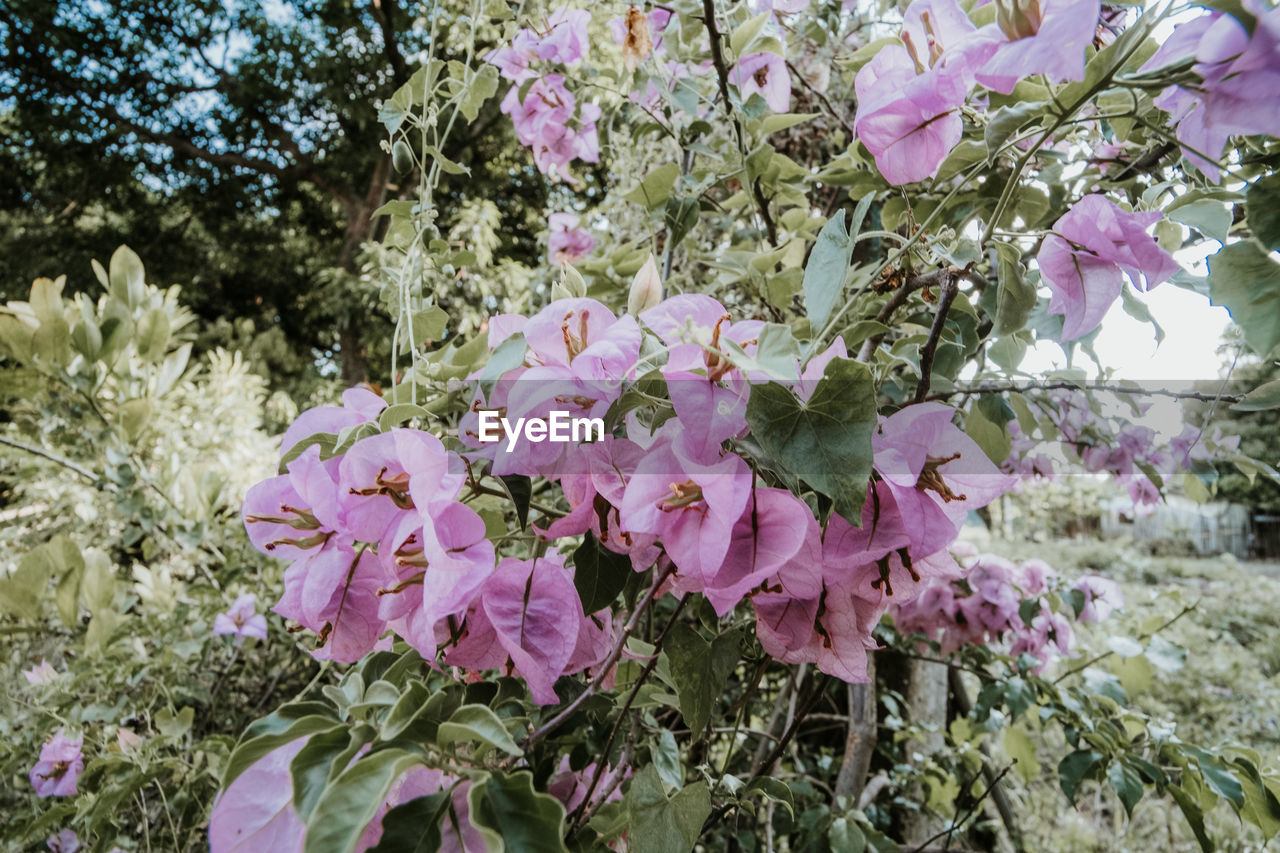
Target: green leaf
column 327, row 441
column 429, row 324
column 173, row 725
column 67, row 596
column 746, row 33
column 599, row 574
column 992, row 437
column 1015, row 296
column 1005, row 122
column 520, row 489
column 1127, row 784
column 826, row 441
column 134, row 416
column 484, row 85
column 414, row 826
column 514, row 817
column 1261, row 398
column 287, row 724
column 774, row 789
column 1261, row 806
column 477, row 722
column 1247, row 282
column 393, row 416
column 1165, row 655
column 700, row 670
column 666, row 758
column 1211, row 218
column 1262, row 203
column 1074, row 768
column 1125, row 647
column 127, row 280
column 680, row 217
column 312, row 767
column 352, row 799
column 1217, row 776
column 775, row 122
column 151, row 336
column 825, row 272
column 661, row 825
column 1195, row 816
column 98, row 588
column 845, row 836
column 655, row 189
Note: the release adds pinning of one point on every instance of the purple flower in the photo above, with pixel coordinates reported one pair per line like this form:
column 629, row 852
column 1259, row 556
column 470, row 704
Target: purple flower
column 60, row 764
column 1083, row 260
column 242, row 619
column 764, row 74
column 567, row 243
column 65, row 841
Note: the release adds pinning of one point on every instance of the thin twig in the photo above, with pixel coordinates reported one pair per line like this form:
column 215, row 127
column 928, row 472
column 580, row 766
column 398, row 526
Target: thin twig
column 1013, row 388
column 960, row 819
column 722, row 75
column 53, row 457
column 568, row 711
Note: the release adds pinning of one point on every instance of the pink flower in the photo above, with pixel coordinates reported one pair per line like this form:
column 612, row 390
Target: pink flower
column 1083, row 260
column 909, row 95
column 60, row 764
column 529, row 613
column 255, row 812
column 42, row 673
column 567, row 243
column 763, row 74
column 241, row 619
column 1101, row 597
column 1038, row 37
column 565, row 40
column 359, row 405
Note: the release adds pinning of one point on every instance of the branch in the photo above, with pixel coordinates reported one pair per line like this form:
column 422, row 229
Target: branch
column 860, row 742
column 722, row 75
column 53, row 457
column 949, row 290
column 899, row 297
column 1013, row 388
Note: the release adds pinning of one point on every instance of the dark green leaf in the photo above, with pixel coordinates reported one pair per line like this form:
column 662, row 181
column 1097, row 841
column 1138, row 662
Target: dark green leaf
column 827, row 441
column 1261, row 398
column 598, row 573
column 508, row 811
column 700, row 670
column 520, row 489
column 1074, row 768
column 1194, row 815
column 1127, row 784
column 1263, row 205
column 352, row 799
column 414, row 827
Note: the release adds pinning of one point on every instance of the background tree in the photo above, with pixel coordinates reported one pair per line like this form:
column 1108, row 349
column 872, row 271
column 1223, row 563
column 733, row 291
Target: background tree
column 236, row 140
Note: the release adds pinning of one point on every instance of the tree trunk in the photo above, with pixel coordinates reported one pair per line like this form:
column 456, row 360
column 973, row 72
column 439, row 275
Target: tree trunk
column 860, row 744
column 927, row 700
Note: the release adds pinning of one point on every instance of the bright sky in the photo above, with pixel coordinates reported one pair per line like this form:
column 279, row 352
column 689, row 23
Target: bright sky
column 1193, row 330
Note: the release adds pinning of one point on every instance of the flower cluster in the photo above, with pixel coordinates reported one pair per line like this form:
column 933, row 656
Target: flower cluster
column 986, row 602
column 548, row 119
column 1130, row 452
column 382, row 538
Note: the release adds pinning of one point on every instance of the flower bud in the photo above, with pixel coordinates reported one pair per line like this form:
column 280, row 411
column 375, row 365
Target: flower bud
column 646, row 288
column 570, row 285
